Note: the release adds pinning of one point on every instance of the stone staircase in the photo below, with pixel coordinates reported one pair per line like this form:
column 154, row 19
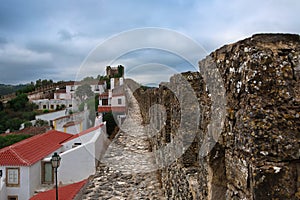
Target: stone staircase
column 128, row 169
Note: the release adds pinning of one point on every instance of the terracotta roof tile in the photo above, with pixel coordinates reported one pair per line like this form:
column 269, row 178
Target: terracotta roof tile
column 67, row 192
column 102, row 109
column 31, row 150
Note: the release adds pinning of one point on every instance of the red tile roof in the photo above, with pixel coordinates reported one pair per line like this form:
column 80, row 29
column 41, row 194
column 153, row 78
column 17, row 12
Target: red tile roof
column 103, row 95
column 67, row 192
column 102, row 109
column 118, row 95
column 29, row 151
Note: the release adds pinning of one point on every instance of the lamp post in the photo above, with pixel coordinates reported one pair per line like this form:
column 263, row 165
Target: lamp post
column 55, row 161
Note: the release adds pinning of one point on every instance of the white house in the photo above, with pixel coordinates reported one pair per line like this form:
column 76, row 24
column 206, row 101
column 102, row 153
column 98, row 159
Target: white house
column 72, row 124
column 26, row 165
column 53, row 104
column 114, row 100
column 98, row 87
column 62, row 121
column 66, row 97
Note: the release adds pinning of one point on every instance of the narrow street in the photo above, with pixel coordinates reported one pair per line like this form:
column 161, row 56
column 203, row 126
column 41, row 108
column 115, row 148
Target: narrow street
column 127, row 170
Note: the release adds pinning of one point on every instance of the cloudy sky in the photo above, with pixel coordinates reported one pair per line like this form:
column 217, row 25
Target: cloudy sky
column 63, row 40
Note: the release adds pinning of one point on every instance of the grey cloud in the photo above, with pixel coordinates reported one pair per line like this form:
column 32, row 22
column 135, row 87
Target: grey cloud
column 65, row 35
column 59, row 35
column 3, row 40
column 14, row 73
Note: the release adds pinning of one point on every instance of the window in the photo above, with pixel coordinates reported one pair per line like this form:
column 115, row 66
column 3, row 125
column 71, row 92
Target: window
column 52, row 107
column 47, row 173
column 76, row 145
column 119, row 101
column 12, row 177
column 104, row 102
column 12, row 197
column 44, row 106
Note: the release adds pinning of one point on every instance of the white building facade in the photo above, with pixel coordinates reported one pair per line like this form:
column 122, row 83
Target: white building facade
column 26, row 166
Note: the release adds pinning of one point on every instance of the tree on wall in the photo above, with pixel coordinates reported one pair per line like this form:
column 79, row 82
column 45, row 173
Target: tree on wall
column 120, row 70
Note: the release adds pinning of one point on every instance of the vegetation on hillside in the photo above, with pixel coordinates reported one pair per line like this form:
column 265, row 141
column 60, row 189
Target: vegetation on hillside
column 33, row 86
column 9, row 89
column 16, row 112
column 8, row 140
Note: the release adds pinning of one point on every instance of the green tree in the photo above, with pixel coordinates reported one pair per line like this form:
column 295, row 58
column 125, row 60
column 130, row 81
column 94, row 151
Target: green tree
column 41, row 122
column 120, row 70
column 30, row 115
column 27, row 124
column 84, row 92
column 92, row 106
column 19, row 103
column 28, row 88
column 14, row 124
column 88, row 79
column 110, row 122
column 38, row 83
column 1, row 106
column 16, row 112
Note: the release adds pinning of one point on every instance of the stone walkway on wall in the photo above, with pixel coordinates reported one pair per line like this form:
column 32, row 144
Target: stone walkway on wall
column 127, row 170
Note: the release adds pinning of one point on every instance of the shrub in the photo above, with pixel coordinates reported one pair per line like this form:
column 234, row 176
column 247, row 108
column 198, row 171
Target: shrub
column 40, row 123
column 46, row 111
column 27, row 124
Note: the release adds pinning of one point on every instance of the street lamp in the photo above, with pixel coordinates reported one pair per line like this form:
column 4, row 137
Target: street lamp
column 55, row 161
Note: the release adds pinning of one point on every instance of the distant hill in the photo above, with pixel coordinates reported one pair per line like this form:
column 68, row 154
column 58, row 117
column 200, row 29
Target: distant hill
column 8, row 89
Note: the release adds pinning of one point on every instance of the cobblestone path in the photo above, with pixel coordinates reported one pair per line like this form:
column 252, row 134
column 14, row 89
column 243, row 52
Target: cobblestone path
column 127, row 170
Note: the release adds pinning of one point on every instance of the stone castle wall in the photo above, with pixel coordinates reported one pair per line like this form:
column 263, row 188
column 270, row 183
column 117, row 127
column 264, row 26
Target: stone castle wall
column 257, row 153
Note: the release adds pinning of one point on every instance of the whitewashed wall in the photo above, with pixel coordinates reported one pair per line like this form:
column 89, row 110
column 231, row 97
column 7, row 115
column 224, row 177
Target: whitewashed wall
column 69, row 87
column 73, row 129
column 80, row 162
column 60, row 122
column 23, row 192
column 82, row 139
column 51, row 116
column 101, row 144
column 35, row 177
column 114, row 101
column 62, row 96
column 76, row 164
column 3, row 192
